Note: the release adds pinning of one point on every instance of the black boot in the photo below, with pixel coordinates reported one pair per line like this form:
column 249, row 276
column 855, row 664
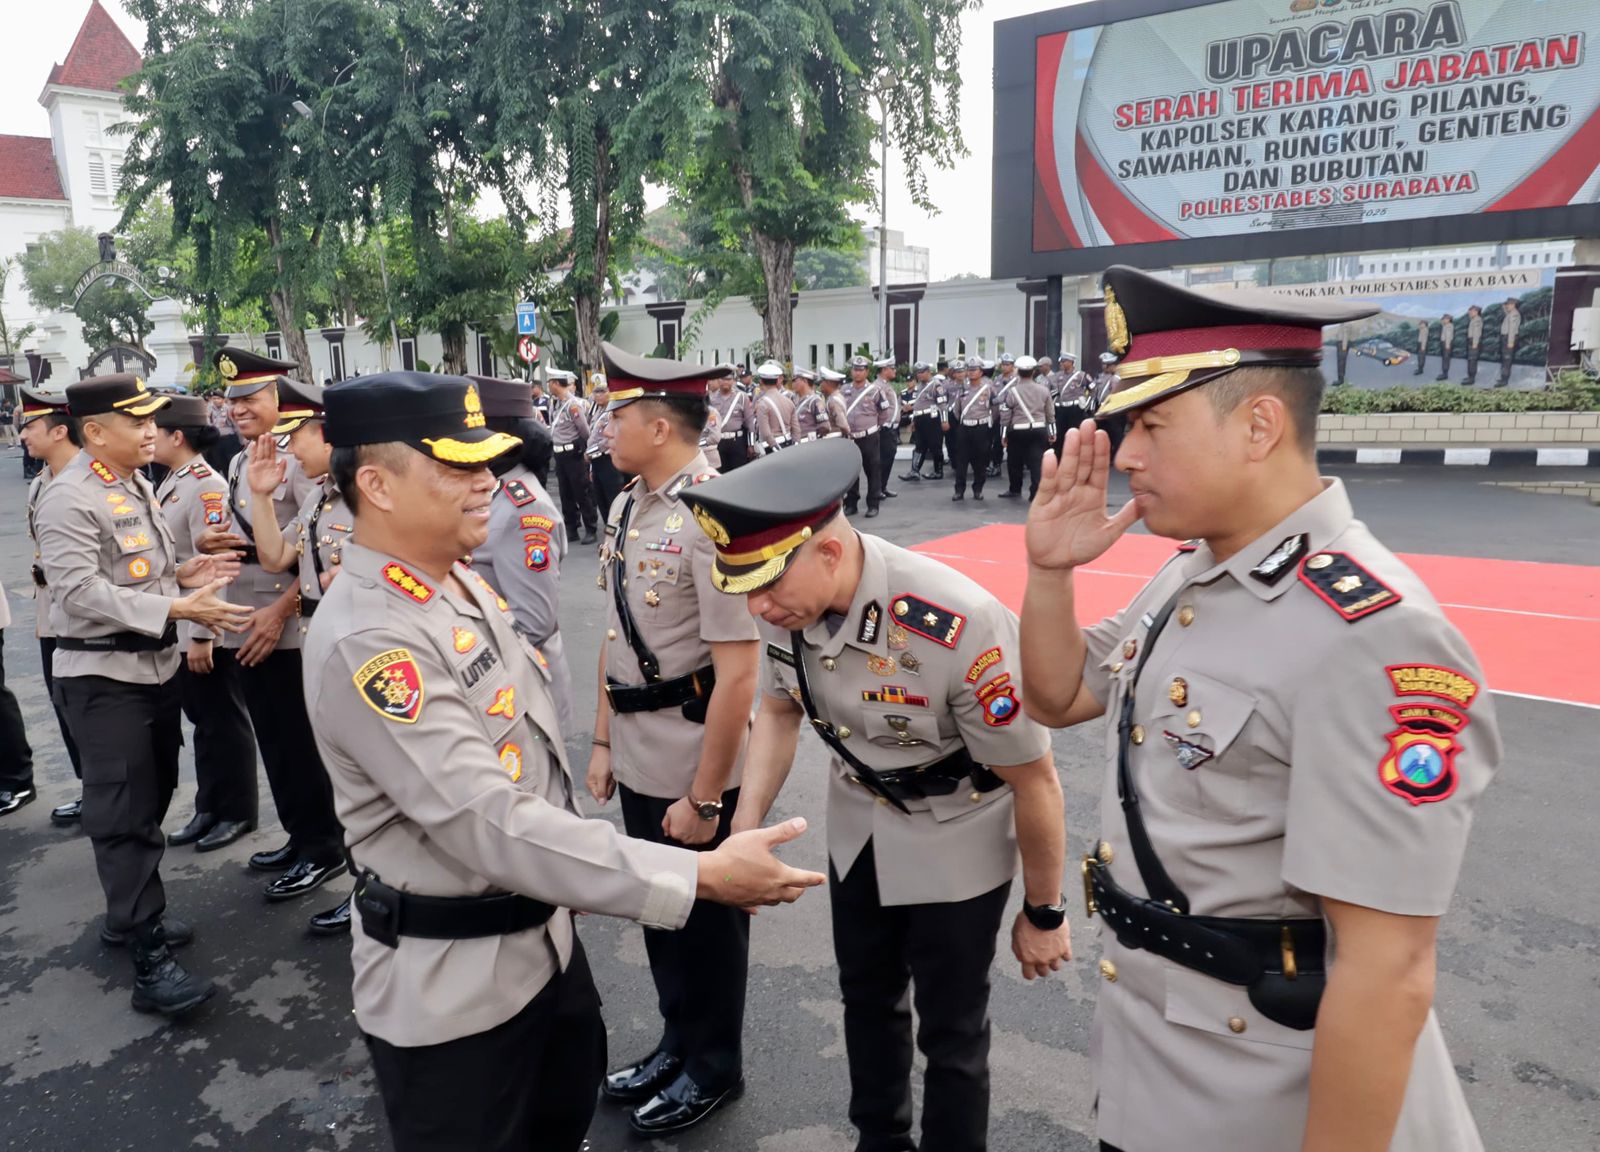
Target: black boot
column 916, row 468
column 160, row 983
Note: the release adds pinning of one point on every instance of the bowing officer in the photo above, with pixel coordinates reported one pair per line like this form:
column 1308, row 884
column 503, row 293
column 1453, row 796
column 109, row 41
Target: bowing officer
column 908, row 672
column 1298, row 739
column 677, row 679
column 194, row 499
column 49, row 435
column 116, row 602
column 469, row 977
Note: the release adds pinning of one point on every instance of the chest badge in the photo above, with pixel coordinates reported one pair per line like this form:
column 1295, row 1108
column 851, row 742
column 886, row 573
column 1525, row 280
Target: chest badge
column 139, row 568
column 673, row 523
column 511, row 761
column 881, row 665
column 909, row 663
column 1178, row 691
column 652, row 598
column 505, row 703
column 899, row 639
column 462, row 640
column 1190, row 755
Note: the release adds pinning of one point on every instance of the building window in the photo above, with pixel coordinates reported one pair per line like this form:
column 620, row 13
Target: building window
column 485, row 357
column 999, row 345
column 813, row 361
column 336, row 361
column 983, row 347
column 830, row 355
column 941, row 346
column 408, row 354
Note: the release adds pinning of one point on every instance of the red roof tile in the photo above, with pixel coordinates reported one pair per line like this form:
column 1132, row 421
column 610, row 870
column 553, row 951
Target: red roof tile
column 100, row 57
column 28, row 169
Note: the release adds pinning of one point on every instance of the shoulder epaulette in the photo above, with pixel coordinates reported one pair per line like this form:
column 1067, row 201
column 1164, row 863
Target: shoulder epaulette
column 518, row 493
column 926, row 618
column 200, row 471
column 184, row 471
column 1345, row 586
column 103, row 472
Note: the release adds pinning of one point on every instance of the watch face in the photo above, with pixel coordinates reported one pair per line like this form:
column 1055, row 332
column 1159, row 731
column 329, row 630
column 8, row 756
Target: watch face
column 709, row 810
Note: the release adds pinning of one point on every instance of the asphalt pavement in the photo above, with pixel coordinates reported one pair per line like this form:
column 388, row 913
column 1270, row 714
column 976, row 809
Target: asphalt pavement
column 276, row 1061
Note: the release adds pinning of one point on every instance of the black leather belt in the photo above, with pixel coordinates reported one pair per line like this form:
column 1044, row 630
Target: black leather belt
column 308, row 608
column 120, row 642
column 940, row 778
column 38, row 577
column 388, row 913
column 248, row 554
column 568, row 447
column 671, row 693
column 1281, row 962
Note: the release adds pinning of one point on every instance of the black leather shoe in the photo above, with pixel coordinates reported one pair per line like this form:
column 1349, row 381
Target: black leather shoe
column 11, row 801
column 639, row 1082
column 680, row 1105
column 199, row 824
column 223, row 833
column 69, row 813
column 912, row 477
column 588, row 536
column 850, row 509
column 958, row 497
column 177, row 934
column 276, row 860
column 333, row 922
column 977, row 496
column 1011, row 495
column 871, row 512
column 306, row 876
column 888, row 495
column 160, row 983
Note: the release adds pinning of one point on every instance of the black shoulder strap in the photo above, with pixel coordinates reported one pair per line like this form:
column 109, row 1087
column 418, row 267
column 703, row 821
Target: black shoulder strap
column 869, row 776
column 236, row 513
column 1156, row 881
column 312, row 529
column 648, row 664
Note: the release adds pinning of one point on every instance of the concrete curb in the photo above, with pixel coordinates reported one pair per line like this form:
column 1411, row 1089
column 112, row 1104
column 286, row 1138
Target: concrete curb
column 1481, row 457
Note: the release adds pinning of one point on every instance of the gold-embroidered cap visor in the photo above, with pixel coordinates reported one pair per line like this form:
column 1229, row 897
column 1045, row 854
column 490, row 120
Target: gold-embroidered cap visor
column 288, row 421
column 473, row 450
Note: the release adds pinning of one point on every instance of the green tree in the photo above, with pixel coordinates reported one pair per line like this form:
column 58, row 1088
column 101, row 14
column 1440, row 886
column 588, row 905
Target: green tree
column 10, row 338
column 818, row 268
column 111, row 311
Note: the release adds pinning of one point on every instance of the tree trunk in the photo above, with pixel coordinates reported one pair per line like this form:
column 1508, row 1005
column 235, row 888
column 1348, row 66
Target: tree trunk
column 777, row 271
column 286, row 307
column 586, row 320
column 454, row 338
column 589, row 293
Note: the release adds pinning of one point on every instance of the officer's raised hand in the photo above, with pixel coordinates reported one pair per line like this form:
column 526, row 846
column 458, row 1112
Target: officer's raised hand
column 1067, row 521
column 742, row 870
column 265, row 469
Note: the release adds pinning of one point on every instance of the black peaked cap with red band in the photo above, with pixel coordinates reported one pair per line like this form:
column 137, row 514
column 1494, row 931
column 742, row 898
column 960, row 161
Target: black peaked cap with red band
column 297, row 403
column 245, row 372
column 1171, row 338
column 36, row 403
column 759, row 518
column 631, row 377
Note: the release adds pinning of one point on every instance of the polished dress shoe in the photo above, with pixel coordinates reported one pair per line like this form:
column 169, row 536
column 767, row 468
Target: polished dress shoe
column 913, row 477
column 680, row 1105
column 638, row 1082
column 977, row 495
column 177, row 933
column 199, row 824
column 1011, row 495
column 889, row 494
column 958, row 497
column 69, row 813
column 871, row 512
column 223, row 833
column 276, row 860
column 333, row 922
column 588, row 536
column 305, row 876
column 11, row 801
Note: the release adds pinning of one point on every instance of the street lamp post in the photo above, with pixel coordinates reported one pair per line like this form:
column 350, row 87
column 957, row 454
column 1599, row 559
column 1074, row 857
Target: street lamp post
column 883, row 219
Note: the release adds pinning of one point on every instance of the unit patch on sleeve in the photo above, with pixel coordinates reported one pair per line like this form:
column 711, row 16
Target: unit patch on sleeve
column 999, row 701
column 1432, row 680
column 403, row 579
column 536, row 551
column 1345, row 586
column 984, row 662
column 538, row 523
column 391, row 684
column 1420, row 763
column 925, row 618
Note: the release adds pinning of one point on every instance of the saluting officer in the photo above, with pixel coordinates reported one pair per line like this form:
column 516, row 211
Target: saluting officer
column 907, row 671
column 864, row 405
column 193, row 500
column 268, row 652
column 50, row 436
column 889, row 424
column 677, row 678
column 1299, row 738
column 115, row 602
column 972, row 413
column 569, row 440
column 471, row 988
column 775, row 422
column 1027, row 410
column 735, row 421
column 527, row 542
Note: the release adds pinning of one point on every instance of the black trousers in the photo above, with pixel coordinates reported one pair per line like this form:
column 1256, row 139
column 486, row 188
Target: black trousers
column 997, row 446
column 1472, row 364
column 129, row 735
column 1444, row 360
column 1066, row 420
column 969, row 450
column 47, row 659
column 528, row 1085
column 16, row 757
column 929, row 441
column 224, row 744
column 577, row 496
column 1027, row 455
column 940, row 954
column 1342, row 358
column 700, row 970
column 275, row 697
column 608, row 482
column 1422, row 360
column 888, row 445
column 733, row 451
column 1505, row 362
column 872, row 465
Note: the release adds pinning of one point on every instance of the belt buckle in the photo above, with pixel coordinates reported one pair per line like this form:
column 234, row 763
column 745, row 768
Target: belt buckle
column 611, row 703
column 1089, row 906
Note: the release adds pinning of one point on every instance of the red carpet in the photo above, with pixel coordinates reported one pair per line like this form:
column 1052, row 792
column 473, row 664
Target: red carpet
column 1535, row 627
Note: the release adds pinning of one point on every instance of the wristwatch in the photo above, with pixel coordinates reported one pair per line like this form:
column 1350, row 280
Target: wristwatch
column 706, row 809
column 1046, row 917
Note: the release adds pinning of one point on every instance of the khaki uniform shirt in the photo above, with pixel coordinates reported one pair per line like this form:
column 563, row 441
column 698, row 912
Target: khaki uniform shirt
column 931, row 398
column 775, row 420
column 255, row 586
column 909, row 693
column 521, row 560
column 1447, row 335
column 837, row 421
column 1027, row 404
column 810, row 416
column 1422, row 339
column 111, row 564
column 1474, row 330
column 711, row 437
column 889, row 419
column 977, row 404
column 679, row 613
column 733, row 412
column 1510, row 324
column 318, row 533
column 41, row 594
column 598, row 445
column 1277, row 738
column 192, row 499
column 449, row 778
column 863, row 407
column 569, row 422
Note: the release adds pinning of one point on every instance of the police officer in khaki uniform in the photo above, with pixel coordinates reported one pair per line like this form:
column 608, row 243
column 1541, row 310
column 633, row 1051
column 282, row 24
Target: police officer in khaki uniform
column 569, row 437
column 49, row 435
column 677, row 679
column 268, row 652
column 1474, row 343
column 438, row 727
column 1447, row 339
column 115, row 603
column 608, row 481
column 972, row 412
column 937, row 783
column 928, row 403
column 194, row 499
column 889, row 422
column 1510, row 326
column 864, row 405
column 836, row 419
column 1073, row 401
column 775, row 423
column 735, row 423
column 1029, row 416
column 1298, row 738
column 810, row 419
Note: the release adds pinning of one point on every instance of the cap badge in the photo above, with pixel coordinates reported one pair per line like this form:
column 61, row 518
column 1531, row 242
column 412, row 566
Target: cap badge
column 227, row 367
column 474, row 408
column 1116, row 324
column 712, row 527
